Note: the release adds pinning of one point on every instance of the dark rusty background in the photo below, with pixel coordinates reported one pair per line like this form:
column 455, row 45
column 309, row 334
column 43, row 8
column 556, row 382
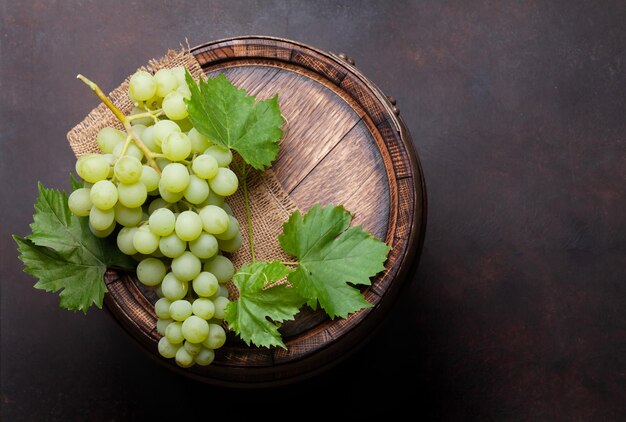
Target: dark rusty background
column 518, row 112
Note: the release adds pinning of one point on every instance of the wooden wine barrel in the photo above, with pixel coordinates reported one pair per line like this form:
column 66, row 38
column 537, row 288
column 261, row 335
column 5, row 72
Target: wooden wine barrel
column 346, row 144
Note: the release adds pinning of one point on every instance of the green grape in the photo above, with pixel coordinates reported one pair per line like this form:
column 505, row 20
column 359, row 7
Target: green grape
column 205, row 246
column 176, row 146
column 231, row 245
column 125, row 240
column 174, row 333
column 228, row 210
column 221, row 267
column 172, row 246
column 197, row 191
column 199, row 142
column 162, row 222
column 216, row 337
column 79, row 202
column 142, row 86
column 170, row 197
column 231, row 231
column 101, row 219
column 142, row 121
column 220, row 303
column 128, row 169
column 213, row 199
column 145, row 241
column 184, row 91
column 166, row 348
column 195, row 329
column 111, row 160
column 162, row 129
column 174, row 106
column 192, row 348
column 205, row 284
column 183, row 358
column 222, row 155
column 225, row 182
column 180, row 310
column 132, row 195
column 139, row 128
column 179, row 74
column 221, row 291
column 166, row 82
column 175, row 177
column 186, row 266
column 205, row 166
column 188, row 225
column 162, row 308
column 102, row 233
column 147, row 137
column 150, row 178
column 204, row 308
column 93, row 167
column 205, row 357
column 132, row 150
column 214, row 219
column 103, row 194
column 162, row 324
column 151, row 271
column 173, row 288
column 127, row 216
column 156, row 204
column 108, row 138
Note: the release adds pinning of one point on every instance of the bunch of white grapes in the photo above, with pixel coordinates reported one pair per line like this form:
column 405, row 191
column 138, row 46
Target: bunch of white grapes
column 175, row 223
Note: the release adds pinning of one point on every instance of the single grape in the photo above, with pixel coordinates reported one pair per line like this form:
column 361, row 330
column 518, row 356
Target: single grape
column 195, row 329
column 166, row 82
column 204, row 166
column 128, row 169
column 205, row 284
column 220, row 303
column 222, row 155
column 162, row 324
column 205, row 246
column 221, row 291
column 192, row 348
column 199, row 142
column 125, row 240
column 228, row 210
column 156, row 204
column 214, row 219
column 147, row 137
column 174, row 106
column 162, row 129
column 176, row 146
column 101, row 219
column 162, row 222
column 162, row 308
column 142, row 86
column 167, row 349
column 184, row 91
column 204, row 308
column 103, row 194
column 231, row 231
column 145, row 241
column 225, row 182
column 183, row 358
column 151, row 271
column 102, row 233
column 231, row 245
column 188, row 225
column 197, row 191
column 150, row 178
column 175, row 177
column 174, row 333
column 205, row 357
column 213, row 199
column 132, row 195
column 186, row 266
column 216, row 337
column 93, row 167
column 173, row 288
column 127, row 216
column 172, row 246
column 108, row 138
column 170, row 197
column 79, row 202
column 180, row 310
column 179, row 74
column 221, row 267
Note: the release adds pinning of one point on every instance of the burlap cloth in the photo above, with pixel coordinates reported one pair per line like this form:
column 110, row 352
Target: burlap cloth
column 270, row 205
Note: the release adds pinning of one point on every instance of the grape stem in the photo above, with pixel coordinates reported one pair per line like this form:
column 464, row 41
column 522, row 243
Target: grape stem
column 123, row 119
column 246, row 201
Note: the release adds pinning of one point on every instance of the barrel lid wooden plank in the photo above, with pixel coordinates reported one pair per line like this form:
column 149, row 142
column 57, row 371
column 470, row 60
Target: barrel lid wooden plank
column 346, row 143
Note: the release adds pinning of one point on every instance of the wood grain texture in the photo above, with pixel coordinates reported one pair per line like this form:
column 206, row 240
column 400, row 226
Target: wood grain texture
column 344, row 145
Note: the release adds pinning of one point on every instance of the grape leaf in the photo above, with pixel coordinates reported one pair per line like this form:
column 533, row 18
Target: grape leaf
column 331, row 255
column 63, row 254
column 229, row 117
column 248, row 315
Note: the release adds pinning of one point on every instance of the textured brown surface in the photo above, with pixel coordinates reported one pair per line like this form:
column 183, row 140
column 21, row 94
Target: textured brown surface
column 517, row 109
